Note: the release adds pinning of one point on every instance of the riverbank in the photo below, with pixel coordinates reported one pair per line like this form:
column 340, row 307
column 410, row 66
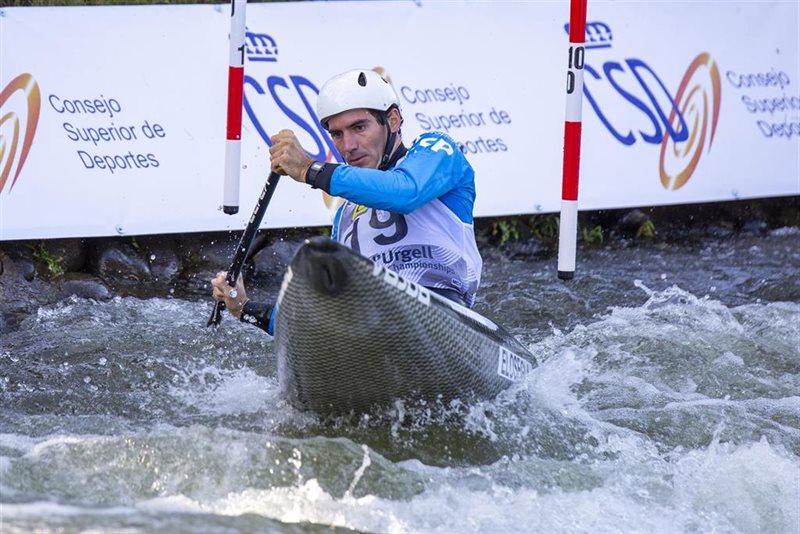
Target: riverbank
column 40, row 272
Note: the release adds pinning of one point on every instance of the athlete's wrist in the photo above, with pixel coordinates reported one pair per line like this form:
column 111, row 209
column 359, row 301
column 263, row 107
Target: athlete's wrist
column 239, row 310
column 312, row 171
column 318, row 175
column 258, row 314
column 304, row 175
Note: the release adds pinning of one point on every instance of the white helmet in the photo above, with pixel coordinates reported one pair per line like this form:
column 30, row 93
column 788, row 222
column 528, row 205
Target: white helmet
column 354, row 89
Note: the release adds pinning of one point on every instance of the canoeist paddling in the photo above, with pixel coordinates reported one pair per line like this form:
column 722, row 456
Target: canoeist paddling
column 382, row 310
column 408, row 209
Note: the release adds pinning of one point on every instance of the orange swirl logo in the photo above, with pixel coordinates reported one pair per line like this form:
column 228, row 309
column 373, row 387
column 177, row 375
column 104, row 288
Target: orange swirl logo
column 677, row 165
column 12, row 155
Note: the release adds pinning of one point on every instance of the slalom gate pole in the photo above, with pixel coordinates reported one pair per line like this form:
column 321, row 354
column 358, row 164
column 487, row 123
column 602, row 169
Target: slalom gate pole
column 233, row 144
column 568, row 227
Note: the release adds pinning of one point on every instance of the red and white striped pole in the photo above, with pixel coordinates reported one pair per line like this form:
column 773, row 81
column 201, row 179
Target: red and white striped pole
column 568, row 227
column 233, row 145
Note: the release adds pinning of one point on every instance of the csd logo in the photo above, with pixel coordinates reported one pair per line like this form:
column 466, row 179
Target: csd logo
column 21, row 95
column 698, row 99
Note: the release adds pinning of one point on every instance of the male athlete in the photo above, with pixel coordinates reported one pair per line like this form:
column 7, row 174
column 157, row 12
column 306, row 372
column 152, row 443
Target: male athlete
column 409, row 209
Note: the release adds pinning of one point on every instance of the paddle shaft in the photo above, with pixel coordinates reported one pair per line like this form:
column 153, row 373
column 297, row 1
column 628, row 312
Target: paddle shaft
column 245, row 243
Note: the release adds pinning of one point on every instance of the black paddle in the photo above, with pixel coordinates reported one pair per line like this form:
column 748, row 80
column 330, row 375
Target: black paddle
column 245, row 243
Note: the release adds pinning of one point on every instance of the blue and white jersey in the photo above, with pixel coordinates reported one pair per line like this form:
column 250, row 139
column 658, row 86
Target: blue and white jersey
column 415, row 218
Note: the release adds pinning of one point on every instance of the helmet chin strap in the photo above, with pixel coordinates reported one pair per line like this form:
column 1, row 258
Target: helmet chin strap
column 386, row 160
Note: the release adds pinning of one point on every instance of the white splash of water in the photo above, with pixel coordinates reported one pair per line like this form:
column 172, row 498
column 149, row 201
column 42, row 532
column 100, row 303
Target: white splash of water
column 365, row 463
column 221, row 391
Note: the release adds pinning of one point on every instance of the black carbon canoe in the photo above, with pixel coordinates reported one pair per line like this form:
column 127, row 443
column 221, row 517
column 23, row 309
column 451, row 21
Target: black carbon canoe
column 351, row 336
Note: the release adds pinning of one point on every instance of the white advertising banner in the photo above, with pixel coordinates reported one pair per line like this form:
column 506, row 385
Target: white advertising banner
column 112, row 119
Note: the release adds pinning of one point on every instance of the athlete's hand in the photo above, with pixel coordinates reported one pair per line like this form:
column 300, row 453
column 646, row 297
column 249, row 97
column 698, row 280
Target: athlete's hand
column 222, row 291
column 288, row 157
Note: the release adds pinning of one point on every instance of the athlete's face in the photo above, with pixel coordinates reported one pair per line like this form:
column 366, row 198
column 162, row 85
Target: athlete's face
column 359, row 137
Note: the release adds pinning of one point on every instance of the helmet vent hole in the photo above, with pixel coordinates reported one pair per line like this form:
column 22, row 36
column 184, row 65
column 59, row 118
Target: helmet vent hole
column 362, row 80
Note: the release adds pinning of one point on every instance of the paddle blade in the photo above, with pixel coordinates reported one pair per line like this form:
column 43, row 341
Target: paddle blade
column 216, row 314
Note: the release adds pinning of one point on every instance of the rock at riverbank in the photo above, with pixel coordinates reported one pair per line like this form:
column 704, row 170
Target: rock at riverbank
column 41, row 272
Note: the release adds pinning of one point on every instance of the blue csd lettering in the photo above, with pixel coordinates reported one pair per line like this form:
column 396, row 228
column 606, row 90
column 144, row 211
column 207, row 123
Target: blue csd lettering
column 299, row 85
column 653, row 111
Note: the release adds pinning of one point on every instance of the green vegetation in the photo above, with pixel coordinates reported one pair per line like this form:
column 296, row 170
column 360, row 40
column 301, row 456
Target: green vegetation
column 593, row 236
column 42, row 256
column 542, row 228
column 646, row 231
column 545, row 227
column 507, row 228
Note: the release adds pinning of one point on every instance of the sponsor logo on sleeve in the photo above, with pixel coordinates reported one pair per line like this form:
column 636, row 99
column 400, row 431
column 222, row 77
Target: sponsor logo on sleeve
column 436, row 144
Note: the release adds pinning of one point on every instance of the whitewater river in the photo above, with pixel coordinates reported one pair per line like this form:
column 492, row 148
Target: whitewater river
column 667, row 400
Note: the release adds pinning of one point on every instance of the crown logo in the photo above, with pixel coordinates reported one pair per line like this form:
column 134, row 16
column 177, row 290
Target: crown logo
column 598, row 35
column 260, row 47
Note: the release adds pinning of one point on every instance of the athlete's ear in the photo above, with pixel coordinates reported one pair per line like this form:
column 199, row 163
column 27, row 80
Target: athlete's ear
column 395, row 120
